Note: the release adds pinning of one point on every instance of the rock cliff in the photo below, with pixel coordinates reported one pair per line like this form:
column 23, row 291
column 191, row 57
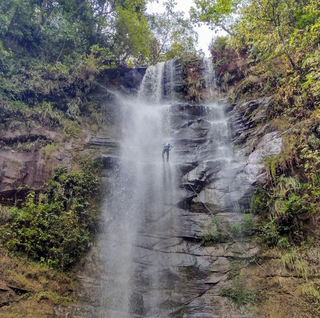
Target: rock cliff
column 218, row 159
column 220, row 151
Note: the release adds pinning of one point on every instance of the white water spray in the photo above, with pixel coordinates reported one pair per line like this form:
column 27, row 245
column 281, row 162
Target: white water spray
column 137, row 206
column 152, row 84
column 209, row 76
column 142, row 232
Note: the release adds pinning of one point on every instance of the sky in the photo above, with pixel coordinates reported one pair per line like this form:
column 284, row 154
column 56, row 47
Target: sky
column 204, row 33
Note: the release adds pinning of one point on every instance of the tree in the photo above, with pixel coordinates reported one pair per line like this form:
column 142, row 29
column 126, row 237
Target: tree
column 215, row 13
column 270, row 28
column 174, row 35
column 58, row 28
column 132, row 37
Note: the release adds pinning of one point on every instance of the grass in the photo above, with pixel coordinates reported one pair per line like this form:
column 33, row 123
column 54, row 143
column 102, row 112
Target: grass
column 45, row 288
column 294, row 262
column 50, row 149
column 53, row 297
column 240, row 295
column 311, row 293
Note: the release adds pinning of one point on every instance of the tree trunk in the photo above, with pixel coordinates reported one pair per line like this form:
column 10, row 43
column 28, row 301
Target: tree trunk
column 42, row 9
column 224, row 28
column 293, row 64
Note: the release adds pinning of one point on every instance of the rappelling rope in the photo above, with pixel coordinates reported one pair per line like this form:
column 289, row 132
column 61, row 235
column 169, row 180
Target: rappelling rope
column 224, row 229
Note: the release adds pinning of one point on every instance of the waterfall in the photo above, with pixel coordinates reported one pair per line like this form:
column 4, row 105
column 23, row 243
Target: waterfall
column 151, row 261
column 152, row 84
column 137, row 210
column 209, row 77
column 223, row 191
column 170, row 80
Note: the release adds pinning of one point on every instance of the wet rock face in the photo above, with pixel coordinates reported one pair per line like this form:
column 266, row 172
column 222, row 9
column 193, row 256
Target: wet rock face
column 168, row 267
column 255, row 141
column 202, row 136
column 205, row 138
column 246, row 117
column 269, row 145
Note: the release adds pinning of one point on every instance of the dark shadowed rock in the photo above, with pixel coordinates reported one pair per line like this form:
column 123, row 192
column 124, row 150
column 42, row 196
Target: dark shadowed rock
column 186, row 167
column 127, row 79
column 104, row 142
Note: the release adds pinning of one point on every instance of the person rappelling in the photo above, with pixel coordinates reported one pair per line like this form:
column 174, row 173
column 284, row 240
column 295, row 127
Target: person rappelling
column 166, row 149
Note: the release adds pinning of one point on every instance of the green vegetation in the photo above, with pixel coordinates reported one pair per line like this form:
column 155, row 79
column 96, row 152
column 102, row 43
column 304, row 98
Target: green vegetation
column 173, row 34
column 215, row 233
column 243, row 228
column 287, row 208
column 236, row 265
column 222, row 232
column 279, row 42
column 215, row 13
column 54, row 297
column 239, row 295
column 192, row 79
column 55, row 227
column 272, row 49
column 311, row 293
column 294, row 262
column 39, row 288
column 53, row 52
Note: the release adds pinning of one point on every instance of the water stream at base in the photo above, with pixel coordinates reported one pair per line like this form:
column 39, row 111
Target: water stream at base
column 142, row 221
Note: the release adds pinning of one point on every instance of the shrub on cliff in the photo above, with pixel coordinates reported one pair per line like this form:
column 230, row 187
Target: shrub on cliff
column 57, row 226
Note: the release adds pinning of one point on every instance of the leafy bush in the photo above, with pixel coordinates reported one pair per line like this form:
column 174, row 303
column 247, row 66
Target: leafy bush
column 71, row 129
column 57, row 226
column 270, row 233
column 287, row 205
column 212, row 238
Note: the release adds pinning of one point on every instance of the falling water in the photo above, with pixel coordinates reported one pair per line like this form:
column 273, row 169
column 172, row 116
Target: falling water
column 138, row 208
column 224, row 191
column 210, row 80
column 146, row 262
column 152, row 84
column 170, row 80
